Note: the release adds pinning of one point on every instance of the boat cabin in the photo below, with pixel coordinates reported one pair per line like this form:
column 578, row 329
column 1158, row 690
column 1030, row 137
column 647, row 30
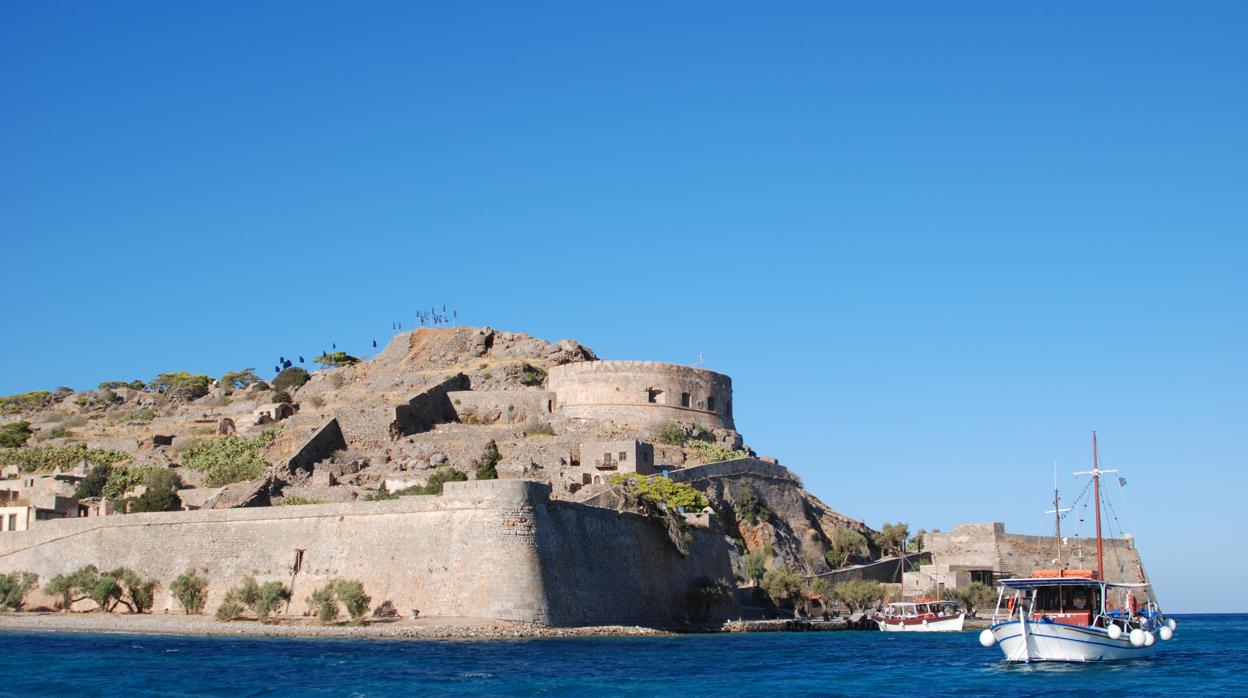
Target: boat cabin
column 922, row 609
column 1076, row 598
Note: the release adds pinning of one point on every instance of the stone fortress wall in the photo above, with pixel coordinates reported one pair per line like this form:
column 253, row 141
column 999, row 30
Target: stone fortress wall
column 498, row 549
column 642, row 393
column 984, row 552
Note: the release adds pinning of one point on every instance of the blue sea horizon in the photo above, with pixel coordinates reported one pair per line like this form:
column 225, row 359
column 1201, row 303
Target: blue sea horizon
column 1209, row 655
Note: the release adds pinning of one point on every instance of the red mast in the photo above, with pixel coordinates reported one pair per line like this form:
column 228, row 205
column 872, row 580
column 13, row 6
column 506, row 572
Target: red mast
column 1096, row 487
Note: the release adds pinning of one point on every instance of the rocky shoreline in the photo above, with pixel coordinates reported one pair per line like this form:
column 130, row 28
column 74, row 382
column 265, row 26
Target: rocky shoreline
column 205, row 626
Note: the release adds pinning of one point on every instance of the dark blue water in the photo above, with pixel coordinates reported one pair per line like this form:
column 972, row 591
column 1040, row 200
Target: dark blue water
column 1209, row 656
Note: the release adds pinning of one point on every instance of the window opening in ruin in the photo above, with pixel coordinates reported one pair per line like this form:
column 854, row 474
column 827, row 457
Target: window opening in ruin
column 12, row 522
column 597, row 480
column 295, row 568
column 652, row 395
column 684, row 399
column 710, row 403
column 623, row 456
column 586, row 479
column 984, row 577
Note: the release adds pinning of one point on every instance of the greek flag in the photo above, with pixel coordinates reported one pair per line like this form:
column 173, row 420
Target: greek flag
column 1122, row 482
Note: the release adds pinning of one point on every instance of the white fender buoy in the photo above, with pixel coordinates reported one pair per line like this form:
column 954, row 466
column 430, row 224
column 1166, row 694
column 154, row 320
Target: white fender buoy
column 1114, row 631
column 1174, row 624
column 1166, row 633
column 925, row 622
column 986, row 638
column 1149, row 639
column 1137, row 638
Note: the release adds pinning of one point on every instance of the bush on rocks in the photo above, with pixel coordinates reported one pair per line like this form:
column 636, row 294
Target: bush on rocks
column 13, row 589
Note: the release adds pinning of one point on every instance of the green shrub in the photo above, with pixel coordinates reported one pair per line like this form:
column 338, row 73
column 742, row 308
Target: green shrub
column 93, row 484
column 231, row 607
column 269, row 596
column 532, row 375
column 846, row 543
column 325, row 602
column 141, row 415
column 714, row 453
column 161, row 494
column 122, row 478
column 858, row 594
column 755, row 566
column 975, row 596
column 336, row 359
column 540, row 429
column 282, row 396
column 25, row 402
column 892, row 537
column 139, row 593
column 230, row 458
column 487, row 468
column 60, row 432
column 748, row 506
column 237, row 380
column 670, row 433
column 380, row 495
column 13, row 589
column 35, row 459
column 191, row 591
column 182, row 385
column 262, row 599
column 782, row 584
column 351, row 593
column 662, row 491
column 437, row 480
column 290, row 379
column 299, row 501
column 73, row 587
column 15, row 434
column 114, row 385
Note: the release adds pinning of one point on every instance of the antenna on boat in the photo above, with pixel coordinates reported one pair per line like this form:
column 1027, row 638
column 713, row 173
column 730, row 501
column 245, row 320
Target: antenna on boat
column 1057, row 512
column 1095, row 472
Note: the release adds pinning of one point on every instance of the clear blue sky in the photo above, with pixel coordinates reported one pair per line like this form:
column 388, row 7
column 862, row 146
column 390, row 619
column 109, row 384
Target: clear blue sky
column 934, row 245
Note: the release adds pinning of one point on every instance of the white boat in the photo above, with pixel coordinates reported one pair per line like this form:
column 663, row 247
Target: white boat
column 1074, row 615
column 921, row 616
column 1069, row 619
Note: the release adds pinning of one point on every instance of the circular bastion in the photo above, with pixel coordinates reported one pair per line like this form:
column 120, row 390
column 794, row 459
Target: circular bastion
column 642, row 393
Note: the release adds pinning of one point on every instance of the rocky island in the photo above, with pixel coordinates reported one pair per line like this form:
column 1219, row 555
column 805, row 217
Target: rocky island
column 463, row 477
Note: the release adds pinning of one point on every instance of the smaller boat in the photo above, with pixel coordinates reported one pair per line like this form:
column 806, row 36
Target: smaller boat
column 921, row 616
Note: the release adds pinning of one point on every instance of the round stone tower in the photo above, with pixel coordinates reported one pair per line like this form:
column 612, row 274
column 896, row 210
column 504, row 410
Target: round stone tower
column 642, row 393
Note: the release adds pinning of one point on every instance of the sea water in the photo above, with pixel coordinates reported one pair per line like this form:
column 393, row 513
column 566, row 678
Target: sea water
column 1209, row 656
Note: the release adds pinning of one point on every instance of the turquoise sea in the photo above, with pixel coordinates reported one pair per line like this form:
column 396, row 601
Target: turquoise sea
column 1209, row 656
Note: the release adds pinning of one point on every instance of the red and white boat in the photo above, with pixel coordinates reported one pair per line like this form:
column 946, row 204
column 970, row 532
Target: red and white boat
column 921, row 617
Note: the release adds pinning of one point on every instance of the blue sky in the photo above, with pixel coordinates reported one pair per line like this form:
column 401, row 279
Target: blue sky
column 934, row 246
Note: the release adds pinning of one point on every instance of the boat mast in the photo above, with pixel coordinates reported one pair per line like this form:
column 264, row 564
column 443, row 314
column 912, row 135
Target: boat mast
column 1057, row 512
column 1095, row 472
column 1096, row 492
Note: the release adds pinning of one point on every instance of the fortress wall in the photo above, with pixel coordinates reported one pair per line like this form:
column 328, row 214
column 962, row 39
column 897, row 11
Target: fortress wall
column 601, row 567
column 618, row 391
column 497, row 549
column 505, row 406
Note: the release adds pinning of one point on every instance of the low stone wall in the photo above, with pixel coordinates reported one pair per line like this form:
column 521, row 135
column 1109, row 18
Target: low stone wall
column 501, row 406
column 318, row 447
column 728, row 468
column 428, row 408
column 498, row 549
